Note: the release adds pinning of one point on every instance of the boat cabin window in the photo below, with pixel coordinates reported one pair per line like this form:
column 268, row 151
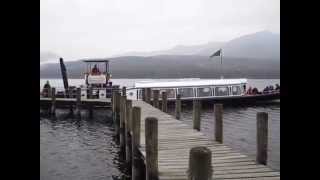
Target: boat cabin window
column 186, row 92
column 204, row 91
column 236, row 90
column 171, row 93
column 222, row 91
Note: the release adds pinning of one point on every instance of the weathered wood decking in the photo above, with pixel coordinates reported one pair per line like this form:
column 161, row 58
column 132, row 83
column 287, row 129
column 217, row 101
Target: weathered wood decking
column 175, row 139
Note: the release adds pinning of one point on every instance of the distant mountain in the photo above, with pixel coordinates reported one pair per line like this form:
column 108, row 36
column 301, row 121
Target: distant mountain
column 252, row 56
column 174, row 66
column 178, row 50
column 260, row 45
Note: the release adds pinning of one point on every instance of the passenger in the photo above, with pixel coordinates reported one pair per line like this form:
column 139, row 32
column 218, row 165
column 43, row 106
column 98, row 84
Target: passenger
column 249, row 90
column 95, row 70
column 255, row 91
column 45, row 90
column 271, row 88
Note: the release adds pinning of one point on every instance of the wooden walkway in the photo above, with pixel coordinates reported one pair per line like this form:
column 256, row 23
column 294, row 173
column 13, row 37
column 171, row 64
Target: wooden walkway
column 175, row 139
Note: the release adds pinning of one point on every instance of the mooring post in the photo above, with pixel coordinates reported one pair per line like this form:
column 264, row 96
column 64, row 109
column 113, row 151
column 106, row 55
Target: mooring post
column 128, row 131
column 262, row 138
column 90, row 106
column 164, row 101
column 53, row 101
column 218, row 117
column 124, row 91
column 78, row 102
column 122, row 123
column 200, row 165
column 117, row 114
column 143, row 94
column 155, row 101
column 151, row 136
column 49, row 92
column 196, row 114
column 178, row 107
column 113, row 107
column 148, row 95
column 136, row 167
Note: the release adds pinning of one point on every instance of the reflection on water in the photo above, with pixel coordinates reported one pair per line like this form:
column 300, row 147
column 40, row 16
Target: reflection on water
column 239, row 127
column 79, row 149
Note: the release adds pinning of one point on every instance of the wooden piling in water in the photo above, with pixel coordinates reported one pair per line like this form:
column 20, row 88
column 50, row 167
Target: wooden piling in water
column 200, row 165
column 78, row 102
column 164, row 101
column 155, row 101
column 148, row 95
column 128, row 131
column 262, row 138
column 122, row 122
column 218, row 117
column 143, row 93
column 178, row 107
column 124, row 91
column 117, row 115
column 151, row 136
column 136, row 118
column 53, row 101
column 196, row 114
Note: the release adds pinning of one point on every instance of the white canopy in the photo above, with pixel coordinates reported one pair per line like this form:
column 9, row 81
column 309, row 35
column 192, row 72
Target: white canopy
column 188, row 83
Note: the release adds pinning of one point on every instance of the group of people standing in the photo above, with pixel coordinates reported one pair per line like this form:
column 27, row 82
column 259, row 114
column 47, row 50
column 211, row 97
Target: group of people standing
column 266, row 90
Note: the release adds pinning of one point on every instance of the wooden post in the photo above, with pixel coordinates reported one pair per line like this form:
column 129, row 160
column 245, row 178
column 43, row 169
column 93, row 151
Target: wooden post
column 49, row 92
column 124, row 91
column 148, row 95
column 196, row 114
column 164, row 102
column 143, row 93
column 122, row 122
column 113, row 107
column 53, row 101
column 262, row 138
column 200, row 166
column 155, row 101
column 151, row 136
column 136, row 118
column 178, row 107
column 90, row 108
column 117, row 114
column 90, row 94
column 78, row 102
column 128, row 131
column 218, row 116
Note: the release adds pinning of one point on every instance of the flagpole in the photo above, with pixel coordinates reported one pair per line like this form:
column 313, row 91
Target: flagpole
column 221, row 63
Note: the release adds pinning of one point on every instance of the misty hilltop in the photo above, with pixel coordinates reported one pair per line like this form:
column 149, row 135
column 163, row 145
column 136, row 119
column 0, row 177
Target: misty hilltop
column 251, row 56
column 260, row 45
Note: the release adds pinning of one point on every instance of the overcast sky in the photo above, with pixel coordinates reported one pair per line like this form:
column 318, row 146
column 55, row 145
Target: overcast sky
column 77, row 29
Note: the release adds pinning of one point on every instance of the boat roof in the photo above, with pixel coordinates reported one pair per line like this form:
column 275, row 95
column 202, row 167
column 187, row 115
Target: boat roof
column 95, row 60
column 188, row 83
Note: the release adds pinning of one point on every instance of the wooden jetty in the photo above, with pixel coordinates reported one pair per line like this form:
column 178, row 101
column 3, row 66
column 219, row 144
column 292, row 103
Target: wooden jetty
column 172, row 150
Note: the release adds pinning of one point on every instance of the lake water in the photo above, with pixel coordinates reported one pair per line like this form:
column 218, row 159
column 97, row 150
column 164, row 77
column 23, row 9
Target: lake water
column 85, row 149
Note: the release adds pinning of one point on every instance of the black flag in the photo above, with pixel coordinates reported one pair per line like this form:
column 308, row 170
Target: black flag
column 218, row 53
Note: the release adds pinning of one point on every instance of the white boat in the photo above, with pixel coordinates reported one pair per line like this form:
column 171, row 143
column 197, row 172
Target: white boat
column 203, row 89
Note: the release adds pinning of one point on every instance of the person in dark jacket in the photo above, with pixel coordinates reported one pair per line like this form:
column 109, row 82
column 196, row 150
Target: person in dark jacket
column 45, row 90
